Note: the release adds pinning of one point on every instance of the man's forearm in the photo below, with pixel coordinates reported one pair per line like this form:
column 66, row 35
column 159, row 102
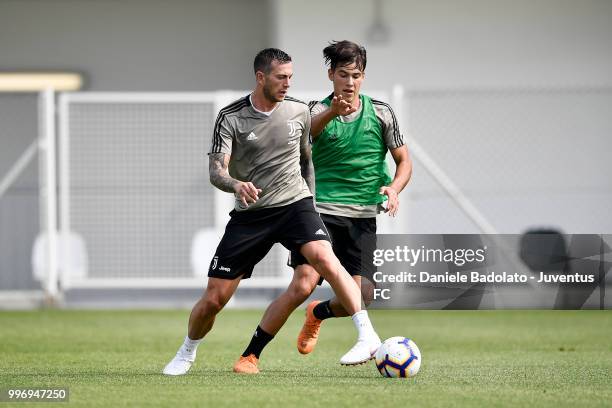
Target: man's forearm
column 308, row 172
column 403, row 171
column 320, row 121
column 219, row 176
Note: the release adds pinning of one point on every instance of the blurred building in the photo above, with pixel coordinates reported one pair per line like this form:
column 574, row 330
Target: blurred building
column 510, row 98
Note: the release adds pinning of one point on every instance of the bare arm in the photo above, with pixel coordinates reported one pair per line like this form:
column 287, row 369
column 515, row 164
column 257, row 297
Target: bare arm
column 220, row 178
column 403, row 172
column 306, row 166
column 338, row 107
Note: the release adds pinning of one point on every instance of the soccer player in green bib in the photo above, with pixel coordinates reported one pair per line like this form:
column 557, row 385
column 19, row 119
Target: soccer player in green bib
column 351, row 135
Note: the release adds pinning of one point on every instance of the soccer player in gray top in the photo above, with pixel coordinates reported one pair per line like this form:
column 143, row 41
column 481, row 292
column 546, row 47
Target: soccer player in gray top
column 351, row 134
column 260, row 153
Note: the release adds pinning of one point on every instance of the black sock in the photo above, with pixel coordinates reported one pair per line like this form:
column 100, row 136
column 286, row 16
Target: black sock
column 323, row 311
column 259, row 340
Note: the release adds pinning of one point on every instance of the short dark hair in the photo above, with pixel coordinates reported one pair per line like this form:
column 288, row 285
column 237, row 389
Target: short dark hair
column 264, row 58
column 341, row 53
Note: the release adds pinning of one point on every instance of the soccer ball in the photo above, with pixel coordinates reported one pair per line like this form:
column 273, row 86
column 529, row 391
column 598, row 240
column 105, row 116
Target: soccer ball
column 398, row 357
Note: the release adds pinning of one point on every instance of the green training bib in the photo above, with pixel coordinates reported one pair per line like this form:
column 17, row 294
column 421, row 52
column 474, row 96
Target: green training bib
column 349, row 159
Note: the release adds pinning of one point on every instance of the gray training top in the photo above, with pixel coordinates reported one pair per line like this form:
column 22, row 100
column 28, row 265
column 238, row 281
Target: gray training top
column 265, row 149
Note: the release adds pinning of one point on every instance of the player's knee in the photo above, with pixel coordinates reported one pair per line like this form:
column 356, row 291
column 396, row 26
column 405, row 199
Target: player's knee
column 211, row 305
column 324, row 262
column 300, row 291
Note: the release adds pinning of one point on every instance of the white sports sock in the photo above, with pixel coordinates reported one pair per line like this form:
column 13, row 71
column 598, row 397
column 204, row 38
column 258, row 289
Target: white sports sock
column 363, row 324
column 189, row 346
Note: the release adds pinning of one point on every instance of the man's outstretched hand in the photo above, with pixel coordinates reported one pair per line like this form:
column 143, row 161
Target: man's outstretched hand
column 341, row 107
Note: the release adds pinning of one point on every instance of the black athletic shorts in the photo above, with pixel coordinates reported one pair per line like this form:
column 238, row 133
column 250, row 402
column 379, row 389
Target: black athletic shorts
column 249, row 235
column 353, row 241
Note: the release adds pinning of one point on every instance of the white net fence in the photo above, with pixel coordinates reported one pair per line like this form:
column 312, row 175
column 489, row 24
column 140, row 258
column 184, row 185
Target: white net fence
column 524, row 158
column 137, row 189
column 137, row 185
column 19, row 189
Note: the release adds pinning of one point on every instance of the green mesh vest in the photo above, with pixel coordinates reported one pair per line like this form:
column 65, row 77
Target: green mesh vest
column 349, row 159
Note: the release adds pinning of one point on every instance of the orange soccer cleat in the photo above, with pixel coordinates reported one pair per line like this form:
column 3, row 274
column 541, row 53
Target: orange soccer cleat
column 247, row 365
column 307, row 339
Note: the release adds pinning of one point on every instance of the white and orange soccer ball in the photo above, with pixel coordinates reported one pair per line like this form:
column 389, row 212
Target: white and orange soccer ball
column 398, row 357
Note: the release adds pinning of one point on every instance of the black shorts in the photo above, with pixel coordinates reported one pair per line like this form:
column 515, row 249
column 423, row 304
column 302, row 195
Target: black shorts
column 249, row 235
column 353, row 241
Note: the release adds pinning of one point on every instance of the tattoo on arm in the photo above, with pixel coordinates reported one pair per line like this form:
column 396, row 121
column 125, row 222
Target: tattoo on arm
column 219, row 176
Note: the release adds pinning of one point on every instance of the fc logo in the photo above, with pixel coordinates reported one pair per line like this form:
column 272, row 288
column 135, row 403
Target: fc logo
column 295, row 127
column 214, row 262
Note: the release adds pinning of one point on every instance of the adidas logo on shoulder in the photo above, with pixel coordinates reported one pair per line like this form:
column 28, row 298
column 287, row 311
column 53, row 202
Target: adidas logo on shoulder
column 251, row 136
column 320, row 232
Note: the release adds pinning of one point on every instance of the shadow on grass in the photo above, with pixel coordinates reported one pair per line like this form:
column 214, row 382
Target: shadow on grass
column 198, row 373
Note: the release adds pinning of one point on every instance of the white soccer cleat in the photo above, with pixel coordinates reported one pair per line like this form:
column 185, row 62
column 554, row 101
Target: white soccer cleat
column 179, row 365
column 363, row 351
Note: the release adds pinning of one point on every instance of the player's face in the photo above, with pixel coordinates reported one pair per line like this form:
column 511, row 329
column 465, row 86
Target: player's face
column 277, row 82
column 347, row 81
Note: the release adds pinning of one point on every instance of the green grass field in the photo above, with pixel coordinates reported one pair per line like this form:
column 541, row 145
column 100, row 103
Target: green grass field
column 478, row 358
